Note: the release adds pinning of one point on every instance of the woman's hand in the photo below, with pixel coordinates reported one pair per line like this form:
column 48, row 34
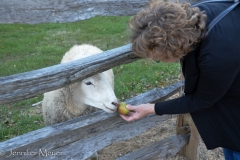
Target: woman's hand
column 138, row 112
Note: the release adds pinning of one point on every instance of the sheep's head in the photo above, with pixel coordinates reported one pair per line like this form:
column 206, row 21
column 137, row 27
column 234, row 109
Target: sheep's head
column 96, row 91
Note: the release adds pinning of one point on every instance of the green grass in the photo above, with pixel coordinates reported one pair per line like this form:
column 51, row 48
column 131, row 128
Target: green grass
column 25, row 47
column 141, row 76
column 29, row 47
column 17, row 119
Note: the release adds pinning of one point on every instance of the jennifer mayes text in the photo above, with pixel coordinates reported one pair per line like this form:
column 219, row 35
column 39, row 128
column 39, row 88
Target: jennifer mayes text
column 28, row 152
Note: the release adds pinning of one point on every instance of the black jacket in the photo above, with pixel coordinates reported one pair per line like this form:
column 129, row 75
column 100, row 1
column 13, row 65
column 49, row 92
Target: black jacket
column 212, row 82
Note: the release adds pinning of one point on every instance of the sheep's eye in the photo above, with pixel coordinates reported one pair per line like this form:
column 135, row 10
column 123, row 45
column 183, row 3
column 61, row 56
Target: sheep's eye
column 88, row 83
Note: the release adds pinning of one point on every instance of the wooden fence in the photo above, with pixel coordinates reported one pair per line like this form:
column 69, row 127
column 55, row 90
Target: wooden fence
column 79, row 138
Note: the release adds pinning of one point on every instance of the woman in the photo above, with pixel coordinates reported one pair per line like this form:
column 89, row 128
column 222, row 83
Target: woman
column 169, row 32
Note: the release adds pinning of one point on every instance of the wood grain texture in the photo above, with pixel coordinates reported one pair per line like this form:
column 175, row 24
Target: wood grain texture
column 190, row 150
column 29, row 84
column 162, row 149
column 79, row 138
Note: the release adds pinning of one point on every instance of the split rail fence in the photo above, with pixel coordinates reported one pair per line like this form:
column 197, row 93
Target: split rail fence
column 81, row 137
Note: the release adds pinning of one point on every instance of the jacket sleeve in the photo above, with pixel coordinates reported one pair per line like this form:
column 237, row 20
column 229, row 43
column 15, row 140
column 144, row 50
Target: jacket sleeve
column 218, row 68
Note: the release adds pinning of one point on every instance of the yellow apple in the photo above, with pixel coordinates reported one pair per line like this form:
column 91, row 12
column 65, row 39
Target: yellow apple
column 122, row 108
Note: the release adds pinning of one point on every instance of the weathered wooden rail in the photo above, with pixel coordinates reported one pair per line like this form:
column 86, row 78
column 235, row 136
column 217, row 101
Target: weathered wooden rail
column 29, row 84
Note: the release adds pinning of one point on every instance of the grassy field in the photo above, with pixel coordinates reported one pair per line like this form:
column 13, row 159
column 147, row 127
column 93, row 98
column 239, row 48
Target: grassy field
column 26, row 47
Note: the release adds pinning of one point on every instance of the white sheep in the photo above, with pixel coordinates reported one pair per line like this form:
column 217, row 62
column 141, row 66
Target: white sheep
column 81, row 97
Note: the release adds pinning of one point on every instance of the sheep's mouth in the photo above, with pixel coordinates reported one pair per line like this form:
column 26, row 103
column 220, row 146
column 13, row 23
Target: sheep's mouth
column 113, row 110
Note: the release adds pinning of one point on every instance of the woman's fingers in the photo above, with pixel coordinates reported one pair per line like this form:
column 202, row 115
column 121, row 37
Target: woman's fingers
column 128, row 118
column 130, row 107
column 131, row 116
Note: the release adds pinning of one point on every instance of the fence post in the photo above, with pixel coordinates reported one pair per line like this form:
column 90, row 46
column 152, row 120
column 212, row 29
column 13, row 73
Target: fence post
column 186, row 124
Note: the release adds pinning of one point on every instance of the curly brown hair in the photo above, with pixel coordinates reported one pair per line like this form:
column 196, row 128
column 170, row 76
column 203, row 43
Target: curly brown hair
column 166, row 30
